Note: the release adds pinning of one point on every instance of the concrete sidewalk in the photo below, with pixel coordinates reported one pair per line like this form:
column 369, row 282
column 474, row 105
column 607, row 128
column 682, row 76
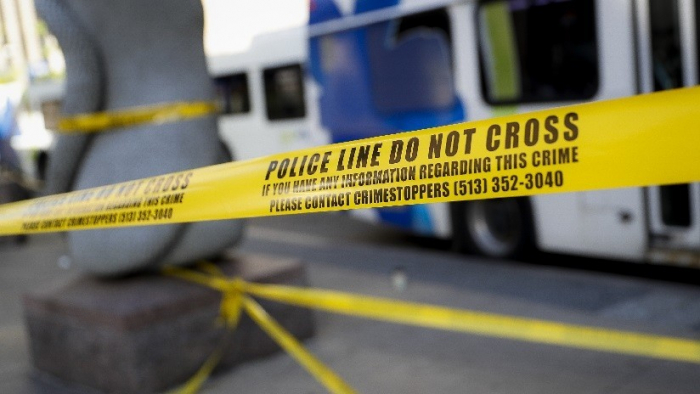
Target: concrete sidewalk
column 24, row 267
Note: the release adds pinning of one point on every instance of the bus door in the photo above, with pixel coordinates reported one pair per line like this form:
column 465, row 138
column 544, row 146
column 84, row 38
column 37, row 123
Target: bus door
column 537, row 54
column 668, row 59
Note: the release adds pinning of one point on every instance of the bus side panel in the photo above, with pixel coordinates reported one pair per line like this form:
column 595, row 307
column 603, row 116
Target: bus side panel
column 339, row 64
column 385, row 78
column 608, row 223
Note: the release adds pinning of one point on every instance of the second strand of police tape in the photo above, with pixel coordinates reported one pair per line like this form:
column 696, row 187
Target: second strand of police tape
column 236, row 297
column 129, row 117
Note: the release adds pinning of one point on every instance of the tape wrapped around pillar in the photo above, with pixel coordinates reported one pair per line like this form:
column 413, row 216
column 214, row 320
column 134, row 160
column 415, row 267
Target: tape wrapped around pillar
column 129, row 54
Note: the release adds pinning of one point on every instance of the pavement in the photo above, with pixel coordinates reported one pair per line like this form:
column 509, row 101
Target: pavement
column 376, row 357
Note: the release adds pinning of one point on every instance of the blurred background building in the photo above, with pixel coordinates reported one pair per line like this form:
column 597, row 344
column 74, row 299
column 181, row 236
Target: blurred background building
column 27, row 49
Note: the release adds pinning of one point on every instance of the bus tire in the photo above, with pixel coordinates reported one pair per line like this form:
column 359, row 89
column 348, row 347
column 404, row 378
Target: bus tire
column 497, row 228
column 12, row 192
column 42, row 161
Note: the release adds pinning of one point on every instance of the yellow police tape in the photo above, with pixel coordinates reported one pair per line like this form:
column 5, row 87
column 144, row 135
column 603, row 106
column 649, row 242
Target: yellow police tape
column 236, row 297
column 637, row 141
column 234, row 300
column 157, row 113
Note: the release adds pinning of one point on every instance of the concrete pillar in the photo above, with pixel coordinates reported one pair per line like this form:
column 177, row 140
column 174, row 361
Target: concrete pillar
column 27, row 21
column 13, row 33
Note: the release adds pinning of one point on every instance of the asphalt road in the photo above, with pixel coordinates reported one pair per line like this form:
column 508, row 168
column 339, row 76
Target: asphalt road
column 376, row 357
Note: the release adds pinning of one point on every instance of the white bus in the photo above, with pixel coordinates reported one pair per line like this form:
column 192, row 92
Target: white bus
column 379, row 67
column 267, row 101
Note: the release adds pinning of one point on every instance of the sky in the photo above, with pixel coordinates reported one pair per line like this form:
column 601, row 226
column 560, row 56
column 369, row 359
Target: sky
column 231, row 24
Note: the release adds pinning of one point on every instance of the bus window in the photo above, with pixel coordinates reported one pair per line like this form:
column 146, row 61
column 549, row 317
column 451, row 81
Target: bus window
column 667, row 70
column 537, row 51
column 665, row 44
column 697, row 36
column 284, row 92
column 232, row 94
column 411, row 64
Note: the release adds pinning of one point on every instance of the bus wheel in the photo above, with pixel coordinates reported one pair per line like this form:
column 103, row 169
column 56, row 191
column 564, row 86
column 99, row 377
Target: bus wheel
column 499, row 228
column 41, row 162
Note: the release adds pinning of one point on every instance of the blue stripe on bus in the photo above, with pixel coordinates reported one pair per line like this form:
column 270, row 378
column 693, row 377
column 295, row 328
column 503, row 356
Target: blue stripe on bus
column 415, row 218
column 322, row 10
column 371, row 5
column 356, row 94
